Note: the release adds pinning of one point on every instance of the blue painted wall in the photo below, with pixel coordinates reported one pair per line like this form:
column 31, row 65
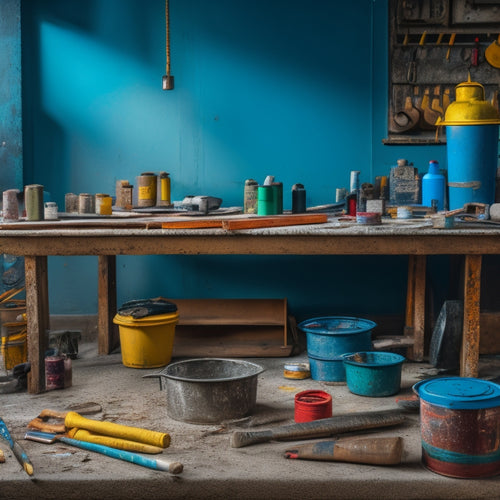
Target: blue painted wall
column 11, row 145
column 281, row 87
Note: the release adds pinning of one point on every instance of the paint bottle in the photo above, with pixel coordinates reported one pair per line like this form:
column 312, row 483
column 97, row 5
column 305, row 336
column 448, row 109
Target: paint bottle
column 10, row 205
column 50, row 210
column 86, row 203
column 298, row 199
column 433, row 186
column 71, row 203
column 33, row 200
column 146, row 189
column 163, row 194
column 250, row 197
column 352, row 197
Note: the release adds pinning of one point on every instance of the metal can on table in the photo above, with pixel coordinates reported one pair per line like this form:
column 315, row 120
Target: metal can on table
column 33, row 201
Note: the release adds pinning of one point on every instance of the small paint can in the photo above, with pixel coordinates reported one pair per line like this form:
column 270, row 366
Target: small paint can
column 250, row 197
column 312, row 405
column 146, row 189
column 103, row 204
column 404, row 213
column 368, row 218
column 265, row 205
column 297, row 371
column 71, row 203
column 86, row 203
column 163, row 194
column 54, row 373
column 298, row 199
column 459, row 421
column 33, row 201
column 10, row 205
column 124, row 194
column 340, row 194
column 277, row 188
column 50, row 210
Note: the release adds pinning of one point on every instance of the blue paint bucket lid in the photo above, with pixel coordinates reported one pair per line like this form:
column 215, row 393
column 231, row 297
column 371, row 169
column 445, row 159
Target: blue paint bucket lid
column 461, row 393
column 336, row 325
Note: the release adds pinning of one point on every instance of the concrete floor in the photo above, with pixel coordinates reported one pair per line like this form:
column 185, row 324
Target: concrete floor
column 212, row 468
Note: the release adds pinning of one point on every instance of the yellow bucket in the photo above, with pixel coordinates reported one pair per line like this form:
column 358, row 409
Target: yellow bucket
column 147, row 342
column 14, row 350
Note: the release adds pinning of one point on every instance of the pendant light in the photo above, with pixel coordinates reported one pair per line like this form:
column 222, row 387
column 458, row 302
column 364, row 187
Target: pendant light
column 168, row 79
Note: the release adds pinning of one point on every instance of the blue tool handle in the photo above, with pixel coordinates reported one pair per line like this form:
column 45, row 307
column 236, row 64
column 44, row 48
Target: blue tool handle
column 135, row 458
column 22, row 458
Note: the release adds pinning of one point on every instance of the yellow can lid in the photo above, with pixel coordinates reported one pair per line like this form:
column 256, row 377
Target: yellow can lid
column 153, row 320
column 470, row 107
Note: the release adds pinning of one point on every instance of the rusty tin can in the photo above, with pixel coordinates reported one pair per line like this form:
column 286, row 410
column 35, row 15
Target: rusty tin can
column 146, row 189
column 460, row 426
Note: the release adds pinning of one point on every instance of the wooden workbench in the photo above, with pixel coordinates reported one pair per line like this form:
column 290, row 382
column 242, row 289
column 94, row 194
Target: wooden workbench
column 414, row 238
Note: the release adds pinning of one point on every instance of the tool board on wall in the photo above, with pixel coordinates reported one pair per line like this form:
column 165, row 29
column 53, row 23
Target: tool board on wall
column 433, row 46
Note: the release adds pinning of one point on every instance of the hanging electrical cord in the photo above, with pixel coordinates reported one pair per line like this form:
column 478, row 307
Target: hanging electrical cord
column 168, row 80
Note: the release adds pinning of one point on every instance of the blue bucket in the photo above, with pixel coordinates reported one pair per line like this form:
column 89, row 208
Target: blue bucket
column 472, row 152
column 373, row 374
column 328, row 370
column 329, row 337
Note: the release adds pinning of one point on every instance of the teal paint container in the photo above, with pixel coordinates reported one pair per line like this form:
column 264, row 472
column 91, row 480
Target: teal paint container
column 472, row 146
column 472, row 152
column 373, row 374
column 265, row 200
column 433, row 186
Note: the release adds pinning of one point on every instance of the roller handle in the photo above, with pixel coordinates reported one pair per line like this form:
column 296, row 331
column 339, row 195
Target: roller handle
column 360, row 450
column 320, row 428
column 140, row 435
column 22, row 458
column 173, row 467
column 112, row 442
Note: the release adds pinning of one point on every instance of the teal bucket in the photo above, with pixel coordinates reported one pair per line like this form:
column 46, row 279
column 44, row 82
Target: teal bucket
column 373, row 374
column 472, row 152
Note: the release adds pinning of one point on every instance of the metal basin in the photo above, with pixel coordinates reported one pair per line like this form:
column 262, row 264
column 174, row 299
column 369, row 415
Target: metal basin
column 209, row 390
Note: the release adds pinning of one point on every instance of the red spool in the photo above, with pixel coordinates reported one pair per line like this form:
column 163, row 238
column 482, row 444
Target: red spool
column 312, row 405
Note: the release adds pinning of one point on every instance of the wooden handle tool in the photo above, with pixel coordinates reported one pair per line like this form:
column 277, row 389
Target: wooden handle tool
column 113, row 442
column 358, row 450
column 138, row 434
column 135, row 458
column 110, row 429
column 320, row 428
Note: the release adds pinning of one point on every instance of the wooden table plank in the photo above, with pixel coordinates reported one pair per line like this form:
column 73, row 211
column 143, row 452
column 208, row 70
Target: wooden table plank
column 470, row 340
column 37, row 314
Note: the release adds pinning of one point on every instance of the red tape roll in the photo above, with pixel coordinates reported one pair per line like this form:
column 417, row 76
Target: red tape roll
column 312, row 405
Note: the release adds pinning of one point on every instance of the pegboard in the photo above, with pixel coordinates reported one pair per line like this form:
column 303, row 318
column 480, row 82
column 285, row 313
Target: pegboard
column 433, row 46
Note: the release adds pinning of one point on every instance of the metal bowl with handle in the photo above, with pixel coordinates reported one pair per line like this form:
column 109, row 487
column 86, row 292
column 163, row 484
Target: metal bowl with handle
column 209, row 390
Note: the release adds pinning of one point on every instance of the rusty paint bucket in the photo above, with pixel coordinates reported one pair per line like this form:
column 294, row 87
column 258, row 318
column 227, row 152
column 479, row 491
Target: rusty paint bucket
column 460, row 426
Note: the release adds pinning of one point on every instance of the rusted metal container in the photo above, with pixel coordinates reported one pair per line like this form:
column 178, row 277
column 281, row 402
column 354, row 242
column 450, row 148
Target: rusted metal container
column 460, row 426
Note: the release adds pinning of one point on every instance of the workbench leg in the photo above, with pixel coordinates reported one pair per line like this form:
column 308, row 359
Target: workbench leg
column 107, row 331
column 37, row 312
column 415, row 306
column 470, row 339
